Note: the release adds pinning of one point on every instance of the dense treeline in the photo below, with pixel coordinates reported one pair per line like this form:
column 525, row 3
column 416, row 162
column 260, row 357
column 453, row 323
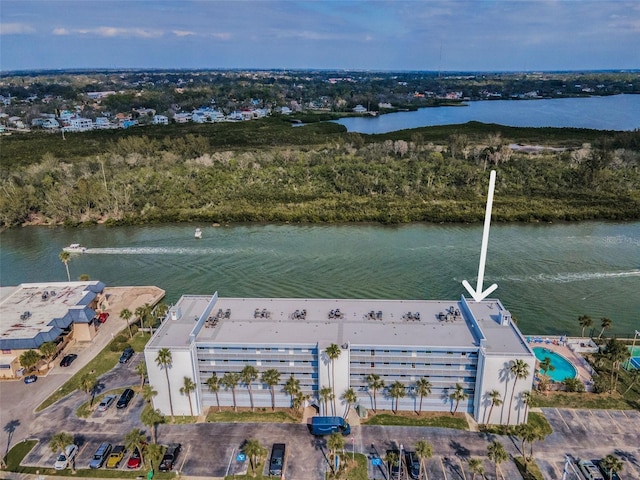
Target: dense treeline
column 268, row 171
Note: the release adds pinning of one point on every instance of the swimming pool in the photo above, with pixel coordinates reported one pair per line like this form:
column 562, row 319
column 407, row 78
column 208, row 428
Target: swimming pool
column 562, row 367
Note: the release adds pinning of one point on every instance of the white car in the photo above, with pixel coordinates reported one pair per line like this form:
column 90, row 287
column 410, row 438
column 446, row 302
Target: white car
column 106, row 402
column 65, row 458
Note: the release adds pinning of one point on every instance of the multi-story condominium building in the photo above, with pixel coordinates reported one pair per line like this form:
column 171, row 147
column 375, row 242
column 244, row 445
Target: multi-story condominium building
column 465, row 349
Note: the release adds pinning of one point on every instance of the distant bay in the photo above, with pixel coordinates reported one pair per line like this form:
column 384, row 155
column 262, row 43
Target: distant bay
column 547, row 274
column 616, row 112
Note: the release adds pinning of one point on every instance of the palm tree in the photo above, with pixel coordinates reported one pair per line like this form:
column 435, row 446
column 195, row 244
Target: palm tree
column 248, row 375
column 613, row 464
column 254, row 451
column 142, row 313
column 148, row 393
column 135, row 439
column 497, row 454
column 335, row 442
column 214, row 386
column 423, row 388
column 271, row 377
column 151, row 418
column 141, row 369
column 424, row 450
column 375, row 383
column 188, row 386
column 392, row 460
column 161, row 310
column 526, row 397
column 351, row 398
column 88, row 383
column 546, row 366
column 299, row 399
column 584, row 321
column 520, row 370
column 29, row 359
column 126, row 315
column 154, row 455
column 292, row 387
column 333, row 351
column 476, row 467
column 457, row 395
column 65, row 257
column 59, row 442
column 618, row 353
column 606, row 324
column 164, row 361
column 397, row 390
column 326, row 394
column 496, row 401
column 49, row 350
column 230, row 380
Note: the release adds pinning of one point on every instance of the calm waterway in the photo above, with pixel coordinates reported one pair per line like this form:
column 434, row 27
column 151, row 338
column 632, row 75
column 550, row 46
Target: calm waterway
column 616, row 112
column 547, row 274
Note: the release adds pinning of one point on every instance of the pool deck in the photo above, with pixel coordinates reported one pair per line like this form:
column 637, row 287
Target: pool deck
column 580, row 364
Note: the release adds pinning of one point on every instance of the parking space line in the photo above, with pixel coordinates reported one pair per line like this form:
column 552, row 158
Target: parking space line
column 562, row 418
column 444, row 472
column 184, row 458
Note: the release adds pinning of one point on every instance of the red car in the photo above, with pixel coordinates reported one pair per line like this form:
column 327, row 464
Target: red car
column 135, row 461
column 102, row 317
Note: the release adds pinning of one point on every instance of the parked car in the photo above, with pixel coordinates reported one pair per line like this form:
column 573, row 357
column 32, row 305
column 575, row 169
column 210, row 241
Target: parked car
column 170, row 456
column 102, row 317
column 135, row 460
column 589, row 470
column 394, row 466
column 106, row 402
column 126, row 355
column 413, row 464
column 125, row 398
column 116, row 456
column 276, row 464
column 100, row 455
column 68, row 359
column 30, row 379
column 66, row 457
column 607, row 474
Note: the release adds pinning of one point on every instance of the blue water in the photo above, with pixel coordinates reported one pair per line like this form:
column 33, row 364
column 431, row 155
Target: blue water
column 562, row 367
column 617, row 112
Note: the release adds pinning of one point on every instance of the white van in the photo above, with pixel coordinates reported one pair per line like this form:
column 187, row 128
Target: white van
column 589, row 470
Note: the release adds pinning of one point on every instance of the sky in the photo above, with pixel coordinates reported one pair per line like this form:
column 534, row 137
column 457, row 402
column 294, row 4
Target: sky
column 434, row 35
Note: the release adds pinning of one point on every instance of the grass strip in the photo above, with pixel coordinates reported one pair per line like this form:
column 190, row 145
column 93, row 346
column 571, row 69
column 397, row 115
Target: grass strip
column 529, row 471
column 251, row 417
column 442, row 421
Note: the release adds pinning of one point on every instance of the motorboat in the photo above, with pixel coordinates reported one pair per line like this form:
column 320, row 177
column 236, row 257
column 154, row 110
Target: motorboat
column 75, row 248
column 198, row 233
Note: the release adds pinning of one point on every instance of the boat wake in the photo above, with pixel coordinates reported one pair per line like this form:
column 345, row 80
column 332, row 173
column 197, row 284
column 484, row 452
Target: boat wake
column 165, row 251
column 566, row 277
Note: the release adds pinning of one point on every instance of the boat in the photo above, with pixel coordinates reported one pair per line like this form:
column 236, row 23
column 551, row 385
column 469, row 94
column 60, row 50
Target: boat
column 198, row 233
column 75, row 248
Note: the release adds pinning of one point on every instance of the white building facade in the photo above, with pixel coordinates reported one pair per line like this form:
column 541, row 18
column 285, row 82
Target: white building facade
column 453, row 344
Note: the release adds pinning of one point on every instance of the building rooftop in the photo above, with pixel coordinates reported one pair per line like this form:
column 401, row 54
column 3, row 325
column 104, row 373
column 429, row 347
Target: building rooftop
column 31, row 313
column 282, row 321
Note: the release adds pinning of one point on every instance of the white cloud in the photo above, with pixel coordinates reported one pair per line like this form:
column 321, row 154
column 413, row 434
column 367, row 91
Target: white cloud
column 15, row 28
column 183, row 33
column 110, row 32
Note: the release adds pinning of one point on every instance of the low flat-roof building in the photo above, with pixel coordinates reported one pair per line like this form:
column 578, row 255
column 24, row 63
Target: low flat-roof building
column 450, row 343
column 34, row 313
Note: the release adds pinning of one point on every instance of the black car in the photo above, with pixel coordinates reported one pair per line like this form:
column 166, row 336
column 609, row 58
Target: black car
column 68, row 360
column 277, row 459
column 413, row 464
column 125, row 398
column 126, row 355
column 170, row 456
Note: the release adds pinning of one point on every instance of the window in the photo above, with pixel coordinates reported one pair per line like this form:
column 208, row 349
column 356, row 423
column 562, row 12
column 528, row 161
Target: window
column 373, row 353
column 373, row 365
column 413, row 365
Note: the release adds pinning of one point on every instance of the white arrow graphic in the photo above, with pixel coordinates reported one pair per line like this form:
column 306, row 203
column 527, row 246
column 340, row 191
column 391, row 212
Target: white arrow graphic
column 478, row 294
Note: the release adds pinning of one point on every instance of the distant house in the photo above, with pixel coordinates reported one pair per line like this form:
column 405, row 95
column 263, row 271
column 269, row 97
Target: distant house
column 285, row 110
column 79, row 124
column 160, row 120
column 182, row 117
column 103, row 122
column 99, row 95
column 359, row 109
column 129, row 123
